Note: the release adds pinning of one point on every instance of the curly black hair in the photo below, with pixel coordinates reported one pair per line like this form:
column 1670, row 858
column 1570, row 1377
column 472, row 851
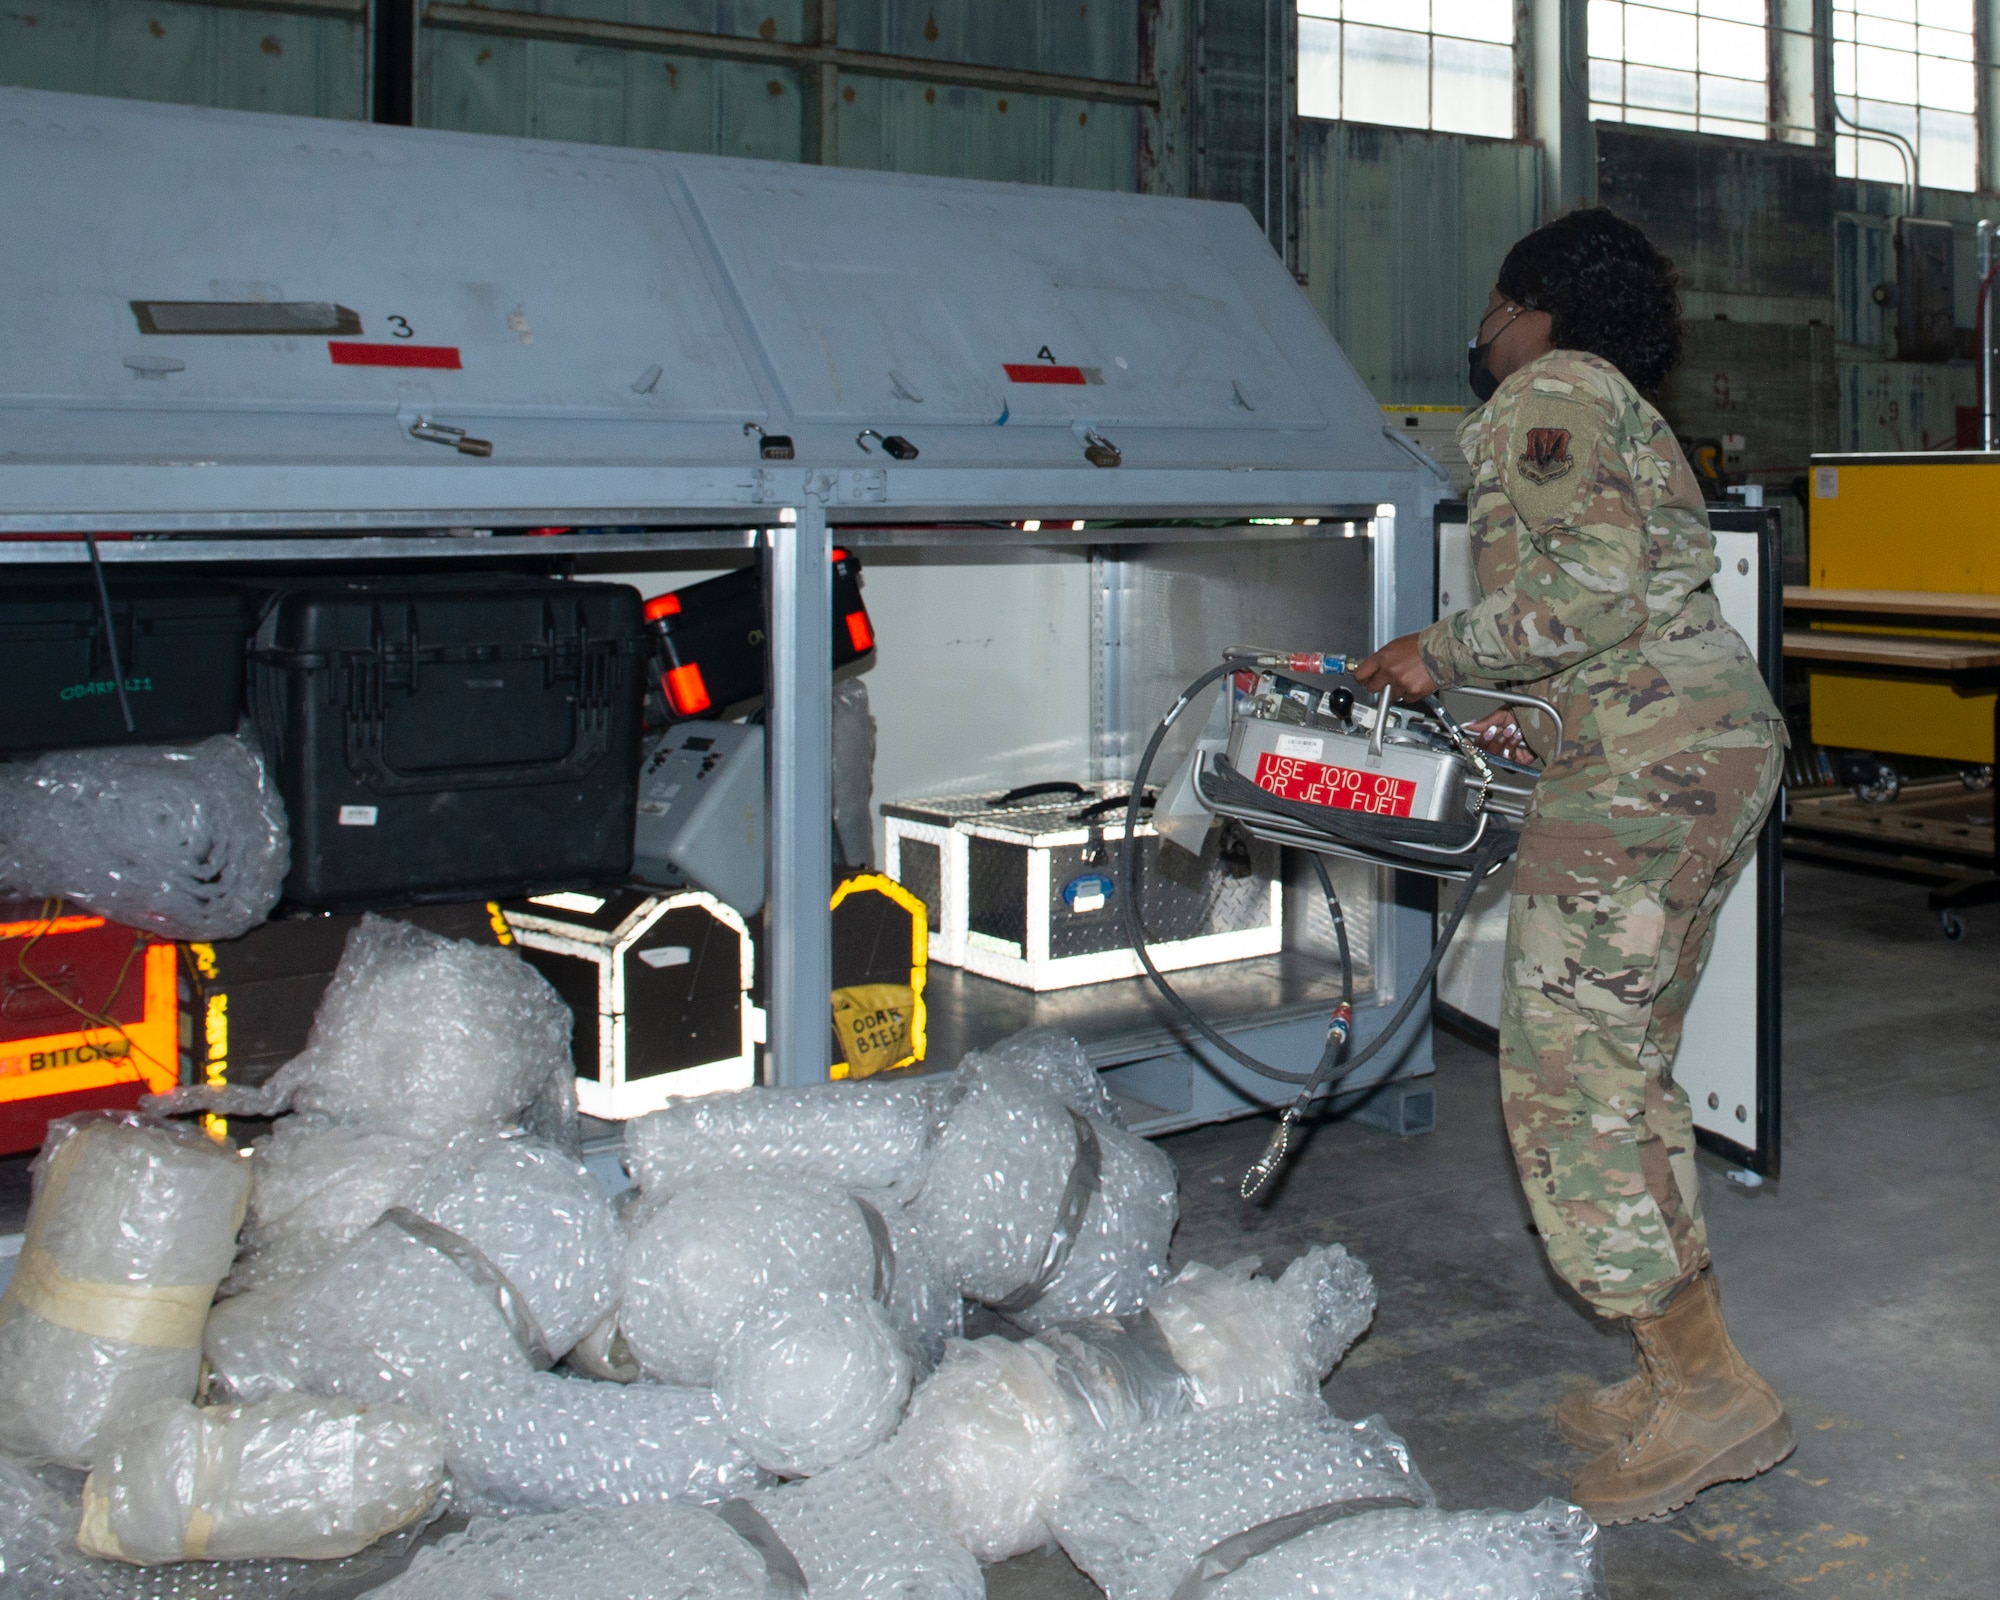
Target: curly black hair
column 1607, row 287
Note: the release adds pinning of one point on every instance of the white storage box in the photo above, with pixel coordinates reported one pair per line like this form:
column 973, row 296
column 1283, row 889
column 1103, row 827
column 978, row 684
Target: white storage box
column 1028, row 891
column 660, row 988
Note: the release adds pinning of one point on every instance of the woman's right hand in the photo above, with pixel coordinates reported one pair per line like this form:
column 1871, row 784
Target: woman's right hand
column 1500, row 733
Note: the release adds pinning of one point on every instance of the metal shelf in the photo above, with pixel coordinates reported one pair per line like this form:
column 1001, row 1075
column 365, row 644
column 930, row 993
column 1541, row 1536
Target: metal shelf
column 425, row 546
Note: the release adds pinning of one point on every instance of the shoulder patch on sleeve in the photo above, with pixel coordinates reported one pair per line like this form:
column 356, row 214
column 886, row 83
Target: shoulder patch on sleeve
column 1551, row 464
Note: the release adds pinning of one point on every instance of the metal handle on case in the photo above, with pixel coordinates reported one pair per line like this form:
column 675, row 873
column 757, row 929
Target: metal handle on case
column 1381, row 719
column 1516, row 699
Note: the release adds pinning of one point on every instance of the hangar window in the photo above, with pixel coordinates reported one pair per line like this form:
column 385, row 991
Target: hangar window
column 1443, row 64
column 1698, row 64
column 1905, row 67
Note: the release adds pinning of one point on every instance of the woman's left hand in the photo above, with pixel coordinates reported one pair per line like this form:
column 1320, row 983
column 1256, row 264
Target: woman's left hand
column 1399, row 662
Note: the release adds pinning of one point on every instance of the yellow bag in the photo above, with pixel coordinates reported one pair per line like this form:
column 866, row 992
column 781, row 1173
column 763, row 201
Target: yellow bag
column 873, row 1021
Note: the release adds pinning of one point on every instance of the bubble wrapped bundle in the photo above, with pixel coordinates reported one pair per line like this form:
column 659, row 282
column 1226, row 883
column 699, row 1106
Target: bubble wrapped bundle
column 1117, row 1374
column 316, row 1184
column 1147, row 1503
column 811, row 1381
column 707, row 1255
column 537, row 1215
column 305, row 1479
column 133, row 1224
column 1015, row 1204
column 186, row 841
column 543, row 1442
column 988, row 1447
column 417, row 1035
column 859, row 1135
column 855, row 1538
column 603, row 1553
column 1239, row 1337
column 1548, row 1553
column 1059, row 1064
column 924, row 1308
column 248, row 1350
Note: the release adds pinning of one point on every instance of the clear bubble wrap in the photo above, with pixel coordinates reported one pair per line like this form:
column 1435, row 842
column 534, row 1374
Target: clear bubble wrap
column 132, row 1226
column 1058, row 1063
column 185, row 840
column 315, row 1185
column 417, row 1035
column 924, row 1308
column 856, row 1538
column 1240, row 1337
column 1146, row 1503
column 1547, row 1553
column 811, row 1381
column 1037, row 1210
column 989, row 1445
column 543, row 1442
column 38, row 1554
column 710, row 1253
column 536, row 1214
column 292, row 1478
column 603, row 1553
column 857, row 1135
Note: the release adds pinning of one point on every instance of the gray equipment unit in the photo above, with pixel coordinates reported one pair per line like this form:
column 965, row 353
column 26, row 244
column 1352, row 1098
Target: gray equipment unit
column 701, row 812
column 247, row 325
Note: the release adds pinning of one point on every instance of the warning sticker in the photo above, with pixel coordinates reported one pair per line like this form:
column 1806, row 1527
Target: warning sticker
column 1342, row 788
column 441, row 356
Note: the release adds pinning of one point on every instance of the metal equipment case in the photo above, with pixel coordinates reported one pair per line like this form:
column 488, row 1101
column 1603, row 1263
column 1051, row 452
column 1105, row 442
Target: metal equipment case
column 1027, row 893
column 660, row 989
column 701, row 811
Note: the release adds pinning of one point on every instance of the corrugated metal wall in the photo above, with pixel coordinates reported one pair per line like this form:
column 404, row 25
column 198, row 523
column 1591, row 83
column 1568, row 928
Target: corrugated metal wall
column 190, row 54
column 1400, row 235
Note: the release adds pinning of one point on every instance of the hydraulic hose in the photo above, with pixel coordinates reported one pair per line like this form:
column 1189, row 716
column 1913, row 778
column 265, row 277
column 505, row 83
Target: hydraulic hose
column 1495, row 848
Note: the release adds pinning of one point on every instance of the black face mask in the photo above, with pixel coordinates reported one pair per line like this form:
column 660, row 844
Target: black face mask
column 1477, row 373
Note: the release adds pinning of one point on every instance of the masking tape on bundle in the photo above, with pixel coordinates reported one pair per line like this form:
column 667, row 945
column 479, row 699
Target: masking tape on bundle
column 163, row 1316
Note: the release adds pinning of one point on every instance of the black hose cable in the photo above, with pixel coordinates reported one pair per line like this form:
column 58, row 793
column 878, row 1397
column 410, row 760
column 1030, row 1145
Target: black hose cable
column 1492, row 852
column 1339, row 920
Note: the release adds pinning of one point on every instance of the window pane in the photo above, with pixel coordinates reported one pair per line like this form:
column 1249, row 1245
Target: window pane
column 1732, row 98
column 1319, row 68
column 1607, row 80
column 1946, row 14
column 1944, row 84
column 1945, row 153
column 1661, row 119
column 1491, row 20
column 1659, row 38
column 1898, row 10
column 1735, row 10
column 1890, row 35
column 1937, row 42
column 1732, row 49
column 1655, row 90
column 1602, row 113
column 1885, row 75
column 1607, row 29
column 1843, row 69
column 1414, row 15
column 1384, row 77
column 1734, row 130
column 1319, row 8
column 1472, row 87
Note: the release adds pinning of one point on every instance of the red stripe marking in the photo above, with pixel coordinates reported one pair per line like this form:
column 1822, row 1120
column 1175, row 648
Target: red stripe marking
column 393, row 355
column 1041, row 372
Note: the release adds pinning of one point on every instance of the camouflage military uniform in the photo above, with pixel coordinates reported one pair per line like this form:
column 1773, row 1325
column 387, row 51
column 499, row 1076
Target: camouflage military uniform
column 1594, row 556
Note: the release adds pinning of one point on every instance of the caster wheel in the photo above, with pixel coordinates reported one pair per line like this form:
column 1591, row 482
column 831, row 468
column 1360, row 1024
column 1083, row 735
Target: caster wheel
column 1977, row 778
column 1953, row 925
column 1882, row 788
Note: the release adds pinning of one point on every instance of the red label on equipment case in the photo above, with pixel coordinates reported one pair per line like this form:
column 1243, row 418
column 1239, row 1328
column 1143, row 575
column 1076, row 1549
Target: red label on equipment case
column 1042, row 372
column 1343, row 788
column 393, row 355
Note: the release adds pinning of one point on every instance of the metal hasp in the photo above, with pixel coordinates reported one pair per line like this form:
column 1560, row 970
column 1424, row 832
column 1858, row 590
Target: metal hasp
column 683, row 344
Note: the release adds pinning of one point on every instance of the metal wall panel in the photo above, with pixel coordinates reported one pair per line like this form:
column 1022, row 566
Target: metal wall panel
column 607, row 95
column 1400, row 235
column 192, row 54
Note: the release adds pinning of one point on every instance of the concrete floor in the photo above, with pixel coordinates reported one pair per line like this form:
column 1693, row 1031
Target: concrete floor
column 1863, row 1284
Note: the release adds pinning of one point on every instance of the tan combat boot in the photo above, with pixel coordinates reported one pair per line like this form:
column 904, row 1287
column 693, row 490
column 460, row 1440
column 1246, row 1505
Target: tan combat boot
column 1712, row 1419
column 1595, row 1419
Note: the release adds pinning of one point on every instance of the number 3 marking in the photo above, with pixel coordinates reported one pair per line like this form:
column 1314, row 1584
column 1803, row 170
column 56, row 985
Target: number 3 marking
column 399, row 329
